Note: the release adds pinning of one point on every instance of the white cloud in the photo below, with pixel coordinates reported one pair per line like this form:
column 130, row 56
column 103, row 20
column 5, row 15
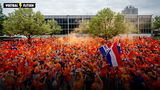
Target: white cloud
column 70, row 7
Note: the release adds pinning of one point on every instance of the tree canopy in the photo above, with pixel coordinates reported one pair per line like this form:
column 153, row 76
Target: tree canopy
column 55, row 28
column 105, row 24
column 27, row 22
column 83, row 27
column 156, row 22
column 2, row 18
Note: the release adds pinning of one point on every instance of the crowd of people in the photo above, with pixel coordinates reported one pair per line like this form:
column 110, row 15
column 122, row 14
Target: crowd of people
column 75, row 63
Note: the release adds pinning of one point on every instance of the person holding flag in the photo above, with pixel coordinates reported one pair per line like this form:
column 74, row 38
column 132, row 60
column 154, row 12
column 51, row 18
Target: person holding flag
column 112, row 54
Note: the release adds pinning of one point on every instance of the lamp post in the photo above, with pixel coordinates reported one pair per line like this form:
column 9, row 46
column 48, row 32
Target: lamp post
column 68, row 24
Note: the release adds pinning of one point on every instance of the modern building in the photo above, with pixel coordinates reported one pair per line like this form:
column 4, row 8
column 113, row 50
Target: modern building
column 69, row 22
column 130, row 10
column 142, row 22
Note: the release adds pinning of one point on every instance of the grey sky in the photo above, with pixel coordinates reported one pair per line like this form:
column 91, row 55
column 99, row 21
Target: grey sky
column 84, row 7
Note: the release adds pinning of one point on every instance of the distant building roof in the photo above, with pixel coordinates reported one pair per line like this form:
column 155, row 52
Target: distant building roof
column 130, row 10
column 68, row 16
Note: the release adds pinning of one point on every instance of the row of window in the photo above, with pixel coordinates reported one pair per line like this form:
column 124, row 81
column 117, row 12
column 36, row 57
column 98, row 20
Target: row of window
column 70, row 25
column 70, row 20
column 145, row 30
column 63, row 22
column 141, row 20
column 65, row 28
column 74, row 22
column 66, row 31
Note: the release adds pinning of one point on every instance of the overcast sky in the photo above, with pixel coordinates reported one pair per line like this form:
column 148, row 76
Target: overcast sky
column 87, row 7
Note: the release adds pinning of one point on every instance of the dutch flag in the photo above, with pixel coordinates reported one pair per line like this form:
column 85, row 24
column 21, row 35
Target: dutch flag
column 104, row 49
column 112, row 53
column 113, row 57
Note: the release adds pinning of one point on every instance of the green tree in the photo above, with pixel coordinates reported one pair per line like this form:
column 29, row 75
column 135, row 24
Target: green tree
column 55, row 28
column 2, row 18
column 26, row 22
column 156, row 22
column 130, row 28
column 82, row 28
column 107, row 24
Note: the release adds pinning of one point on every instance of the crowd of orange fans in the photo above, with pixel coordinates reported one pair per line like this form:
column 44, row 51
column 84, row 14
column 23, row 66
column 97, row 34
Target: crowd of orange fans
column 68, row 63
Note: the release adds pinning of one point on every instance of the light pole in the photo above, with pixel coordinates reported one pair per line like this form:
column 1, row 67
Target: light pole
column 68, row 24
column 138, row 24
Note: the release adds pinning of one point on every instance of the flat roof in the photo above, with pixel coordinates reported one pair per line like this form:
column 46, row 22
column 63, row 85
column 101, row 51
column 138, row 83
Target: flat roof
column 70, row 16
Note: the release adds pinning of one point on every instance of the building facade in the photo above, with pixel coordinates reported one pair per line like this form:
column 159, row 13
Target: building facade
column 142, row 22
column 70, row 22
column 130, row 10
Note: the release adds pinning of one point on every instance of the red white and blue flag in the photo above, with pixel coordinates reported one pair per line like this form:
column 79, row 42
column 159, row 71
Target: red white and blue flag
column 112, row 54
column 105, row 49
